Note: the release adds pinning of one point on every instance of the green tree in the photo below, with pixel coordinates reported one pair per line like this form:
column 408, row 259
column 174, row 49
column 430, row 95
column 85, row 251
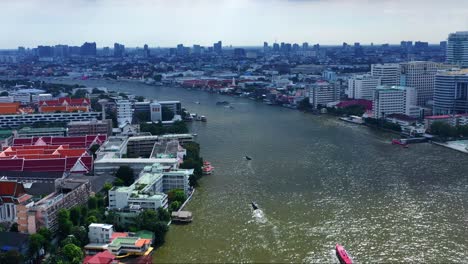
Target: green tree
column 167, row 114
column 126, row 174
column 47, row 235
column 176, row 195
column 75, row 215
column 91, row 219
column 107, row 186
column 80, row 93
column 14, row 227
column 71, row 239
column 64, row 223
column 4, row 93
column 175, row 205
column 80, row 233
column 157, row 77
column 140, row 98
column 36, row 243
column 92, row 202
column 72, row 253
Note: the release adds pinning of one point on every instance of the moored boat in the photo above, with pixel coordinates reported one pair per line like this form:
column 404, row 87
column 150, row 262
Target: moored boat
column 399, row 142
column 342, row 255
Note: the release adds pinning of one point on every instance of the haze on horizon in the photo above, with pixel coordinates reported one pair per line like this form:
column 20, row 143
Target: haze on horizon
column 164, row 23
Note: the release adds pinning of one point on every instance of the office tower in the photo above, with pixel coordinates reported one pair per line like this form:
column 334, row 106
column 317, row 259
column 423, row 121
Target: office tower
column 443, row 46
column 239, row 52
column 106, row 52
column 218, row 47
column 196, row 49
column 45, row 51
column 457, row 49
column 451, row 92
column 61, row 51
column 305, row 46
column 420, row 75
column 88, row 49
column 394, row 100
column 146, row 51
column 389, row 73
column 21, row 51
column 421, row 46
column 74, row 50
column 362, row 86
column 295, row 47
column 119, row 50
column 276, row 47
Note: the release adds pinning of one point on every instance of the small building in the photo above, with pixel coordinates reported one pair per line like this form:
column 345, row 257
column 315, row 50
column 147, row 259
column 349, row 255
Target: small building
column 100, row 233
column 91, row 127
column 41, row 132
column 182, row 217
column 104, row 257
column 129, row 245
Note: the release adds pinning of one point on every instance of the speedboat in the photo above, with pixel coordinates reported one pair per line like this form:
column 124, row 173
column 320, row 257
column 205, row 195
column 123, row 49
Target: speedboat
column 399, row 142
column 254, row 205
column 248, row 158
column 342, row 255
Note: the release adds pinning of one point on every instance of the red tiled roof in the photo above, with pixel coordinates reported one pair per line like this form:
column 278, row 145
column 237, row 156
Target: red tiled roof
column 12, row 192
column 104, row 257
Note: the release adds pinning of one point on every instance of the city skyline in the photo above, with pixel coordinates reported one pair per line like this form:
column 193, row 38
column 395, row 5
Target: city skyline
column 237, row 23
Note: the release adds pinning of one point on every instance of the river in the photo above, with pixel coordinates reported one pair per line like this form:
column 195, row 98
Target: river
column 319, row 182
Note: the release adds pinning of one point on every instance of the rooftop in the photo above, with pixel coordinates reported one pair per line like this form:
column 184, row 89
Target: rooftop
column 99, row 225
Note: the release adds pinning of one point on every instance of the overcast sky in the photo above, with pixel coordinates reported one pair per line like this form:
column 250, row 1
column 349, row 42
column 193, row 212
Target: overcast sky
column 163, row 23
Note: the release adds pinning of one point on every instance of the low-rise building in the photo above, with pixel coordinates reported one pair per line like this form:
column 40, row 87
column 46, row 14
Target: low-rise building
column 91, row 127
column 100, row 233
column 16, row 120
column 44, row 213
column 142, row 146
column 41, row 132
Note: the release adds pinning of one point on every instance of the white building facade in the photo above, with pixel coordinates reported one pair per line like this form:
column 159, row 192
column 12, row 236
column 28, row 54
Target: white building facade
column 388, row 73
column 124, row 112
column 420, row 75
column 394, row 100
column 362, row 86
column 100, row 233
column 322, row 93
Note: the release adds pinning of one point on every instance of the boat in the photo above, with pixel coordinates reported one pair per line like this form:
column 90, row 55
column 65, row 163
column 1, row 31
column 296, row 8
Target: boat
column 203, row 118
column 222, row 103
column 248, row 158
column 399, row 142
column 254, row 205
column 194, row 134
column 353, row 119
column 342, row 255
column 197, row 102
column 207, row 169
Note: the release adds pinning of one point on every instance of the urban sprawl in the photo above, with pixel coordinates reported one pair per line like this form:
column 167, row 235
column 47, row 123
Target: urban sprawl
column 92, row 175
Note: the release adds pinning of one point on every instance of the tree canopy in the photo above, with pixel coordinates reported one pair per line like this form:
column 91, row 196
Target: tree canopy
column 125, row 173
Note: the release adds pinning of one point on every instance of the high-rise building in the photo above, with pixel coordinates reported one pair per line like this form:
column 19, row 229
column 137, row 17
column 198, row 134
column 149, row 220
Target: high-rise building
column 276, row 47
column 155, row 112
column 265, row 47
column 420, row 75
column 124, row 112
column 457, row 48
column 305, row 46
column 45, row 51
column 88, row 49
column 394, row 100
column 321, row 93
column 61, row 51
column 196, row 49
column 119, row 50
column 388, row 73
column 420, row 46
column 451, row 92
column 218, row 47
column 146, row 51
column 362, row 86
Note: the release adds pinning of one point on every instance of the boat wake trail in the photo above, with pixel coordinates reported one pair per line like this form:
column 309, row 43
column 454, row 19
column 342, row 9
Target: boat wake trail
column 259, row 216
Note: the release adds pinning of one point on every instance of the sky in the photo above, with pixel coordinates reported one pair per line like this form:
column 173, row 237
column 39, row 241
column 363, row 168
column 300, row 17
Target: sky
column 166, row 23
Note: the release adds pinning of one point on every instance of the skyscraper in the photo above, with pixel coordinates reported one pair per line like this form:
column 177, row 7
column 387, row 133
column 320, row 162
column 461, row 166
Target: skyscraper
column 119, row 50
column 218, row 47
column 457, row 48
column 389, row 74
column 451, row 92
column 420, row 75
column 88, row 49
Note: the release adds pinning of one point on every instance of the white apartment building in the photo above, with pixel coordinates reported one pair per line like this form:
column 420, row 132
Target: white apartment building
column 394, row 100
column 322, row 93
column 421, row 76
column 36, row 98
column 23, row 98
column 12, row 121
column 124, row 112
column 100, row 233
column 362, row 86
column 457, row 48
column 388, row 73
